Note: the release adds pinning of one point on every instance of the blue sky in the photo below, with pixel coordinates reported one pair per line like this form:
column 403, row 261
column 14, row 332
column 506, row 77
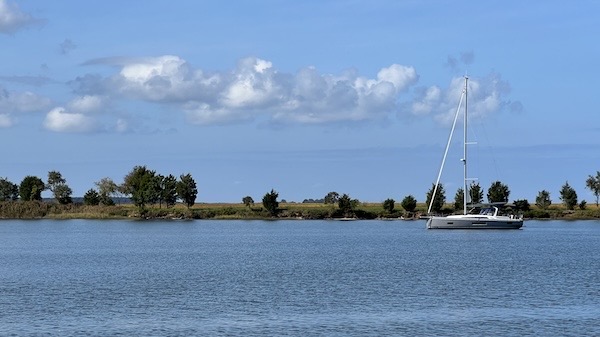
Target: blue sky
column 305, row 97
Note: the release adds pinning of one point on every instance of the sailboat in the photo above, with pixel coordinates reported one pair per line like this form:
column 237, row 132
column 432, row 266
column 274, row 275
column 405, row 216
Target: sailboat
column 489, row 216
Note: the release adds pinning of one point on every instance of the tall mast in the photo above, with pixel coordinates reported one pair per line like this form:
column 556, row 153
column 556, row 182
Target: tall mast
column 466, row 192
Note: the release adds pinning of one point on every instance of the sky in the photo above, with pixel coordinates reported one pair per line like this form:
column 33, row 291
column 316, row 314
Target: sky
column 304, row 97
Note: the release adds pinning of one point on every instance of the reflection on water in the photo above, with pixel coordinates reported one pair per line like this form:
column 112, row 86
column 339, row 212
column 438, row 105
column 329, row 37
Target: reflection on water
column 297, row 278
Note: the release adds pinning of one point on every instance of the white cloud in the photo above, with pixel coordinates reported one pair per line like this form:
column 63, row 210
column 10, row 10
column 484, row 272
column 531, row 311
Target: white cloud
column 158, row 79
column 400, row 76
column 12, row 102
column 12, row 18
column 254, row 84
column 255, row 88
column 487, row 95
column 59, row 120
column 429, row 100
column 5, row 120
column 204, row 114
column 86, row 104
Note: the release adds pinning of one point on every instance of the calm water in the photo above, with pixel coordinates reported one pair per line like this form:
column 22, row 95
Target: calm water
column 297, row 278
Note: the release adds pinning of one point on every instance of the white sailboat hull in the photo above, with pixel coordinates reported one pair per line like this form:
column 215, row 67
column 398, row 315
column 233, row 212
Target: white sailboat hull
column 474, row 222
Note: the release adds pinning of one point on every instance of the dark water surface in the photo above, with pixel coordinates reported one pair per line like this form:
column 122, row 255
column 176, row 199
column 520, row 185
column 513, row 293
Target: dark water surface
column 297, row 278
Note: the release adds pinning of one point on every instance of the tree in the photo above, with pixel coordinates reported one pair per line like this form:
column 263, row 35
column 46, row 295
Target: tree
column 248, row 201
column 270, row 202
column 107, row 188
column 168, row 190
column 568, row 196
column 543, row 199
column 593, row 183
column 388, row 205
column 439, row 200
column 58, row 185
column 522, row 205
column 186, row 190
column 54, row 179
column 62, row 194
column 91, row 197
column 8, row 190
column 347, row 205
column 498, row 192
column 409, row 203
column 331, row 198
column 141, row 185
column 475, row 193
column 459, row 199
column 31, row 188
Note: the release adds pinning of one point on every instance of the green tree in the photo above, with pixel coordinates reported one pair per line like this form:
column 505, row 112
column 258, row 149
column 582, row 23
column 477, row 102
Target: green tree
column 107, row 188
column 476, row 193
column 62, row 194
column 106, row 200
column 248, row 201
column 8, row 190
column 409, row 203
column 58, row 185
column 331, row 198
column 459, row 199
column 439, row 200
column 31, row 188
column 168, row 190
column 186, row 190
column 140, row 184
column 388, row 205
column 593, row 183
column 91, row 197
column 347, row 205
column 582, row 205
column 498, row 192
column 543, row 199
column 522, row 205
column 270, row 202
column 568, row 196
column 54, row 179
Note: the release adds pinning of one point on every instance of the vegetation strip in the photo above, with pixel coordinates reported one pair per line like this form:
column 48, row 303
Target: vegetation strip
column 146, row 192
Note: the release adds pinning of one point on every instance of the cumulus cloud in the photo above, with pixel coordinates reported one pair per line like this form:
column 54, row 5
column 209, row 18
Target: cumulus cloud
column 87, row 113
column 487, row 95
column 12, row 103
column 15, row 102
column 12, row 18
column 86, row 104
column 254, row 87
column 59, row 120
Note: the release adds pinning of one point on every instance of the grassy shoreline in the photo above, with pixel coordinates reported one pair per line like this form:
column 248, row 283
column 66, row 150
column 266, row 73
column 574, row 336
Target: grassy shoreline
column 233, row 211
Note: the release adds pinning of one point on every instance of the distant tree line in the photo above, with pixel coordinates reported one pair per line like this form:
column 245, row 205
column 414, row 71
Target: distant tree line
column 142, row 185
column 499, row 192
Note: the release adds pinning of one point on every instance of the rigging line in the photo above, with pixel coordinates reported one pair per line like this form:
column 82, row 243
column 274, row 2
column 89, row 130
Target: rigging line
column 492, row 151
column 437, row 183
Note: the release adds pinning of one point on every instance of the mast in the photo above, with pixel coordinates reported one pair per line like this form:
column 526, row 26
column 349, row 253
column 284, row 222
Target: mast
column 464, row 160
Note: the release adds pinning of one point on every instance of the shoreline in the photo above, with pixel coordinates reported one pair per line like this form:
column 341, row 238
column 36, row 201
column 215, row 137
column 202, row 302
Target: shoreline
column 287, row 211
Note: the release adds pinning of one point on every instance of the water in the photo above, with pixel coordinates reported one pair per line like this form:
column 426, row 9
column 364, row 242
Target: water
column 297, row 278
